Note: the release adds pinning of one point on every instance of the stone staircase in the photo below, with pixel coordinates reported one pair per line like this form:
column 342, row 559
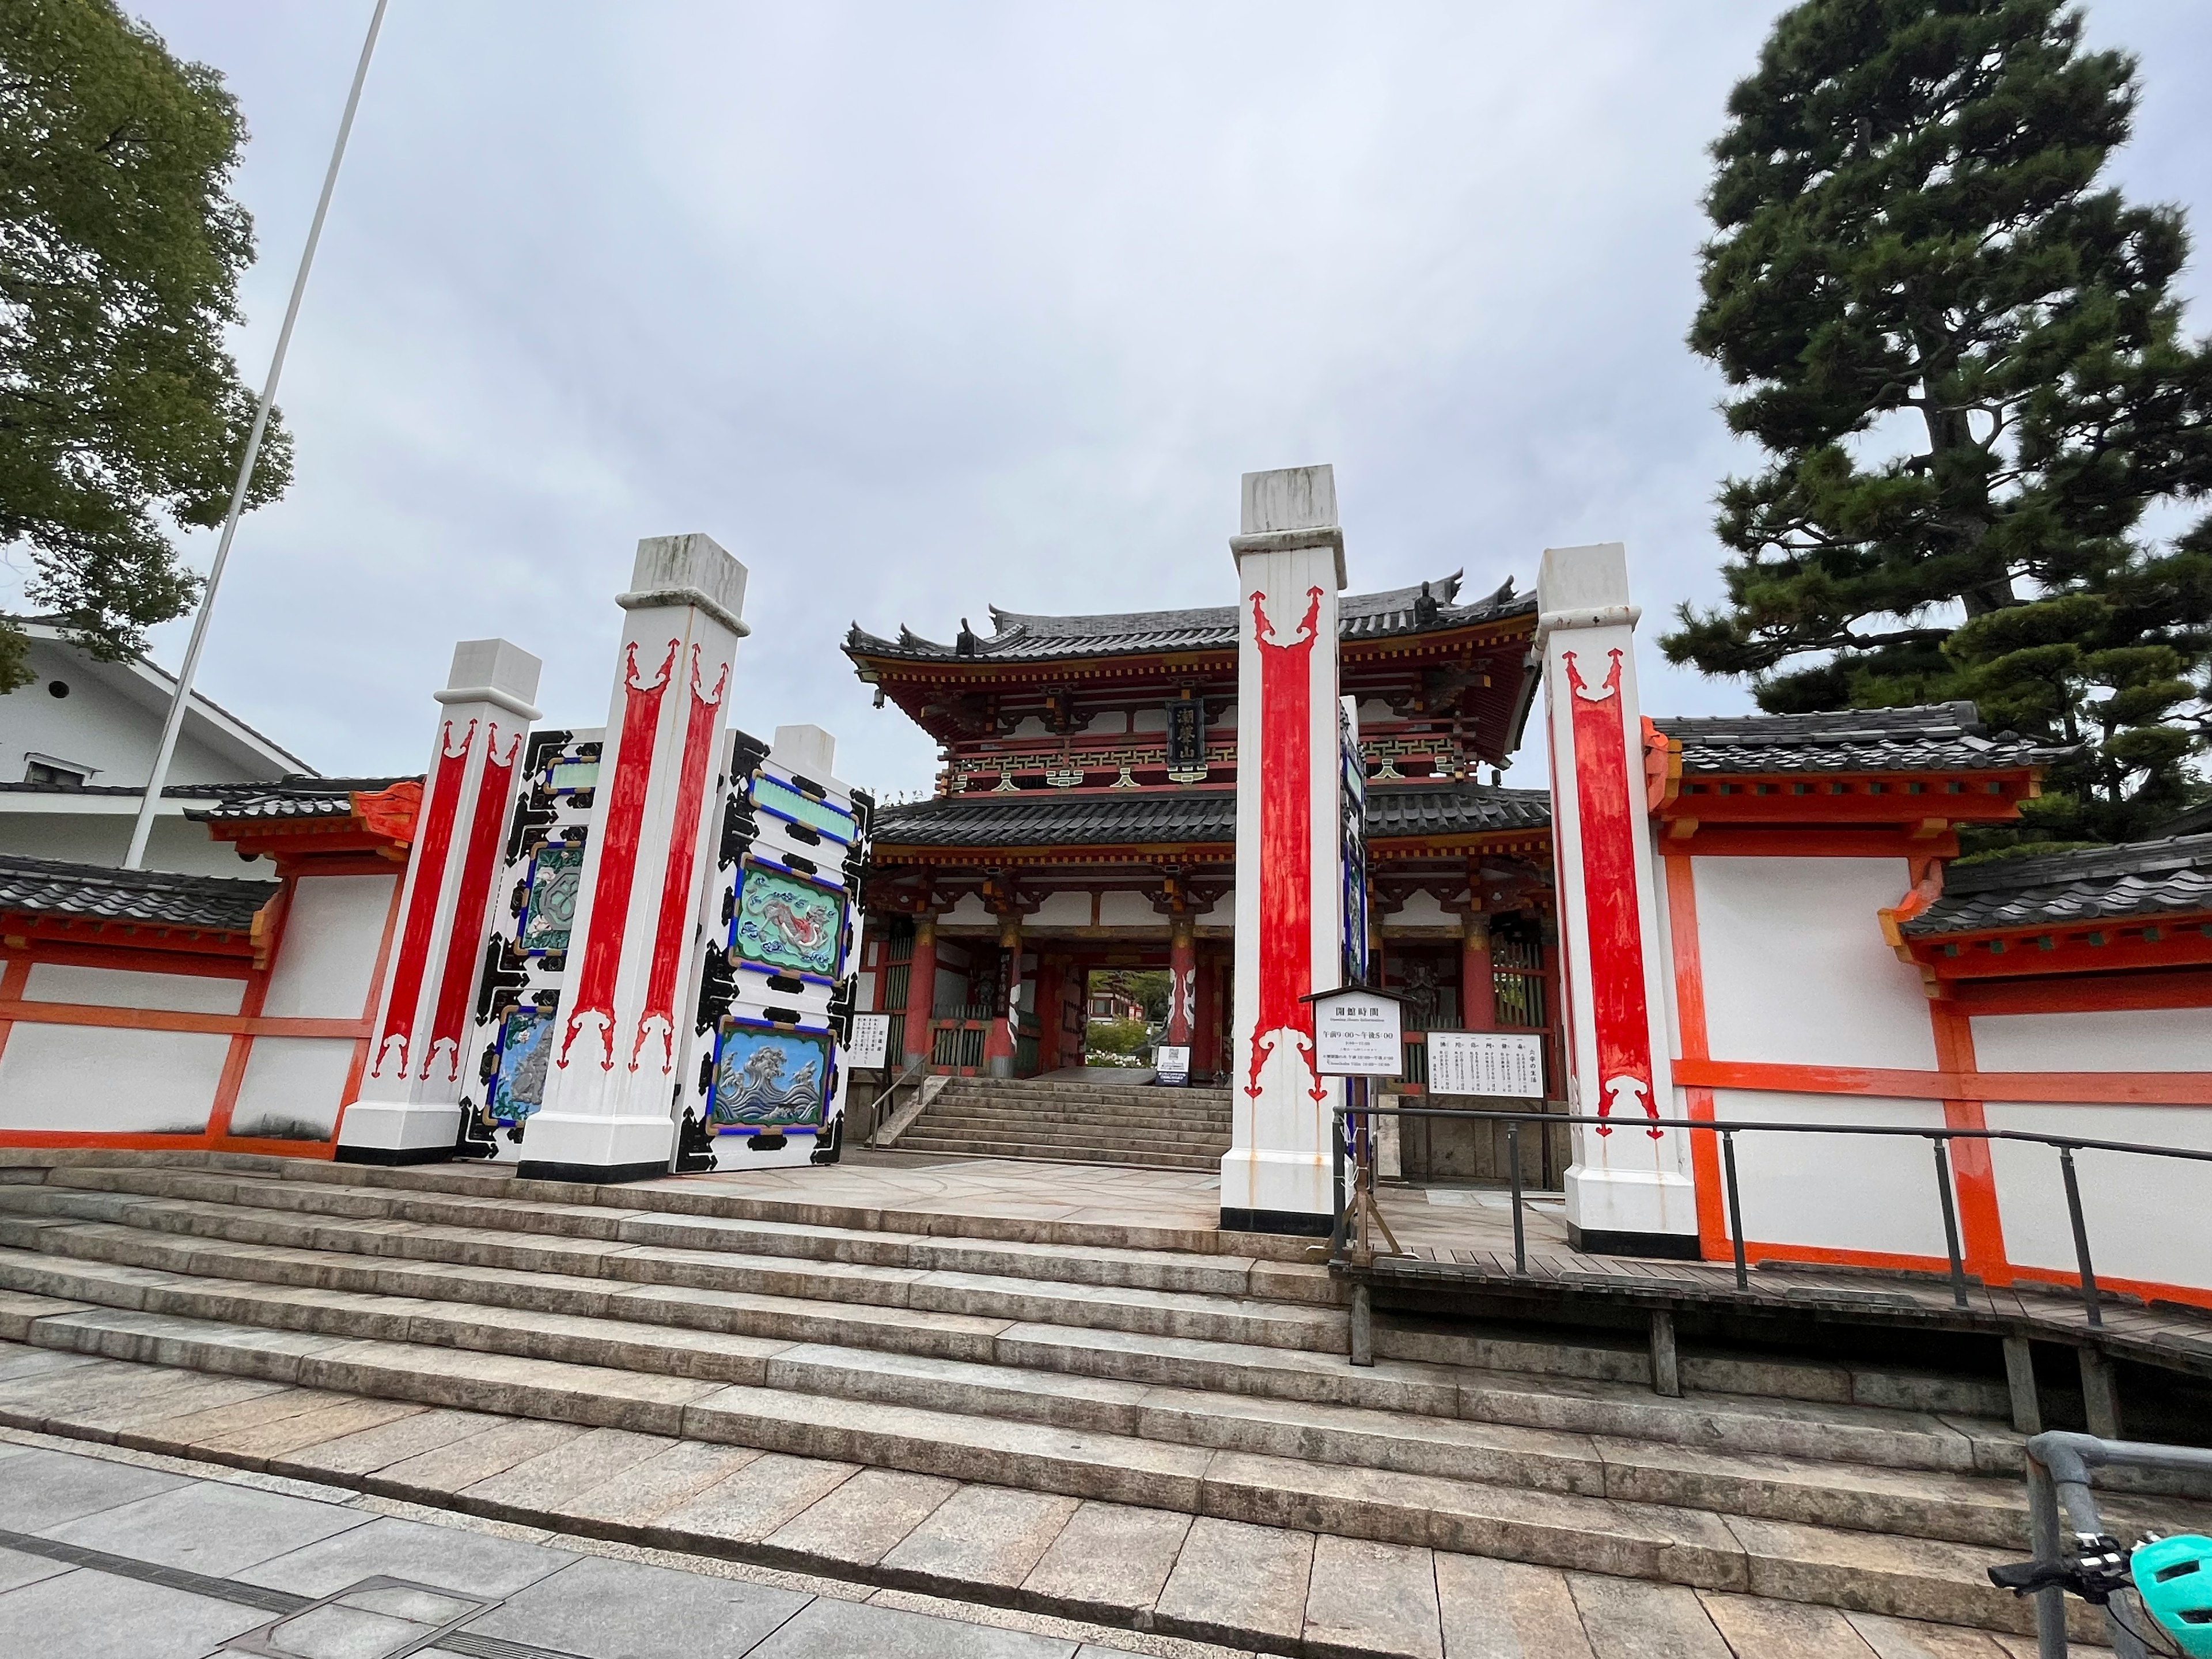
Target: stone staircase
column 1044, row 1356
column 1075, row 1123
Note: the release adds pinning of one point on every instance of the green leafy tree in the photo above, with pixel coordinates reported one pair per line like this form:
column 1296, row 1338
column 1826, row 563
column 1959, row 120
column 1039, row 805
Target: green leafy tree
column 1965, row 366
column 120, row 251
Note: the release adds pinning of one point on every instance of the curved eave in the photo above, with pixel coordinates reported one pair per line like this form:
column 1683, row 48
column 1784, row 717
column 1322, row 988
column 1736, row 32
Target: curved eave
column 1925, row 803
column 2125, row 943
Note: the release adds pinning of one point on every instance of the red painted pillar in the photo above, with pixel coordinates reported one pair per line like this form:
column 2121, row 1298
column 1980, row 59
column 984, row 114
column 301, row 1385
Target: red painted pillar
column 1005, row 1019
column 1477, row 989
column 1183, row 982
column 921, row 988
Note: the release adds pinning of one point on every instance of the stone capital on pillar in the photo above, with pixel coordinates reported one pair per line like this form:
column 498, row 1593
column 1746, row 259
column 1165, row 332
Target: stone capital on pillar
column 1630, row 1189
column 1290, row 563
column 408, row 1110
column 609, row 1092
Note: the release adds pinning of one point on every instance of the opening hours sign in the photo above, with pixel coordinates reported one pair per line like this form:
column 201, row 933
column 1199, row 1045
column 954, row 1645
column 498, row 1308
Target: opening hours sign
column 1356, row 1033
column 1485, row 1063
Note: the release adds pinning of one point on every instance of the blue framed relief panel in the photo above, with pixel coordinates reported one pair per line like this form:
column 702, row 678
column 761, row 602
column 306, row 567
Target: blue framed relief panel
column 556, row 876
column 771, row 1079
column 785, row 800
column 788, row 924
column 526, row 1047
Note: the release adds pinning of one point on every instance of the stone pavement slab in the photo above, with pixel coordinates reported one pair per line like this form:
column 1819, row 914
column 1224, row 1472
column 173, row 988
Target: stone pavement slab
column 864, row 1518
column 1506, row 1610
column 1111, row 1558
column 474, row 1563
column 98, row 1614
column 1374, row 1598
column 206, row 1526
column 839, row 1630
column 602, row 1609
column 1233, row 1577
column 1790, row 1630
column 45, row 1489
column 985, row 1535
column 1632, row 1619
column 667, row 1480
column 17, row 1569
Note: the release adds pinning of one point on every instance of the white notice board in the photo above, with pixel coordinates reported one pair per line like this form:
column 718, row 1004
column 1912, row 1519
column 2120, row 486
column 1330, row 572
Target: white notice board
column 1355, row 1034
column 872, row 1041
column 1485, row 1063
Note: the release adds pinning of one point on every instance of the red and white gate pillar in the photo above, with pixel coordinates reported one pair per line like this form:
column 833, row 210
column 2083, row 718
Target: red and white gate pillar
column 1630, row 1189
column 1276, row 1175
column 1183, row 978
column 409, row 1110
column 626, row 1010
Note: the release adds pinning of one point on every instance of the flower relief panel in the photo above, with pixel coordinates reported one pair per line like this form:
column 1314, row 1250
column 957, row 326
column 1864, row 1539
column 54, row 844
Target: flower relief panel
column 526, row 958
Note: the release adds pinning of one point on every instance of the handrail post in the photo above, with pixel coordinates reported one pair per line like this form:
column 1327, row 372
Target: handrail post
column 1513, row 1164
column 2043, row 1544
column 1734, row 1207
column 2081, row 1235
column 1336, row 1149
column 1950, row 1218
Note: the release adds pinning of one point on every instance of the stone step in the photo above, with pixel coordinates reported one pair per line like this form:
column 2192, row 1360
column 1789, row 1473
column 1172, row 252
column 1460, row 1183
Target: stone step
column 1900, row 1576
column 1957, row 1508
column 1166, row 1103
column 1145, row 1158
column 1034, row 1089
column 1526, row 1358
column 169, row 1234
column 113, row 1267
column 1155, row 1124
column 1147, row 1269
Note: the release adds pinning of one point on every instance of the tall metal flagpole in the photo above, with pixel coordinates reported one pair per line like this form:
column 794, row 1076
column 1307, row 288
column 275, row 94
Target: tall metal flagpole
column 182, row 700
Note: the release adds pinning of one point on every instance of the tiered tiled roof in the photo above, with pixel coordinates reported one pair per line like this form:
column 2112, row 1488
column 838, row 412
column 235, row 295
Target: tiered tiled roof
column 1021, row 637
column 1944, row 736
column 2099, row 884
column 287, row 799
column 1154, row 817
column 49, row 887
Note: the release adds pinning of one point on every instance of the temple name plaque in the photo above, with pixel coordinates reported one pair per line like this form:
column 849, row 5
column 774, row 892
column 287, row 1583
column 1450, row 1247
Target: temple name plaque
column 1485, row 1063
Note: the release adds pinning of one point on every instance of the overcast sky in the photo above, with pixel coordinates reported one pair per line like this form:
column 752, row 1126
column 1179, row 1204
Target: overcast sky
column 917, row 309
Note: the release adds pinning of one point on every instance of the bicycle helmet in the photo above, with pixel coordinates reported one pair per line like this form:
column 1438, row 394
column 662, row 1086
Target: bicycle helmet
column 2174, row 1576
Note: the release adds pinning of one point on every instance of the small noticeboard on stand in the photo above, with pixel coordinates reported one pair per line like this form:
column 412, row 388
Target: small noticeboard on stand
column 1171, row 1066
column 872, row 1041
column 1357, row 1033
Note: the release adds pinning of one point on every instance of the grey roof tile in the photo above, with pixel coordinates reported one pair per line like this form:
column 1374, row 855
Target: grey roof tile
column 1019, row 637
column 53, row 888
column 2099, row 884
column 293, row 797
column 1033, row 819
column 1944, row 736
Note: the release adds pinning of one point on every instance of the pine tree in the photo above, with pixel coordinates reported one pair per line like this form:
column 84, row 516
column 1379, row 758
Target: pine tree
column 120, row 251
column 1965, row 362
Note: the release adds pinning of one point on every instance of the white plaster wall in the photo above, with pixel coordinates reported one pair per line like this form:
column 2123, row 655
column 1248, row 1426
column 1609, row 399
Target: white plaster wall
column 1224, row 912
column 1031, row 726
column 176, row 844
column 1421, row 909
column 293, row 1087
column 1111, row 722
column 969, row 910
column 1148, row 719
column 1795, row 967
column 2147, row 1217
column 1837, row 1192
column 328, row 953
column 104, row 1080
column 117, row 987
column 1129, row 910
column 2136, row 1040
column 100, row 726
column 1062, row 910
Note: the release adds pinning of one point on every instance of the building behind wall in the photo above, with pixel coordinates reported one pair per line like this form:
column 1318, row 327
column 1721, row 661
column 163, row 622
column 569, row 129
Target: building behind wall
column 1084, row 818
column 77, row 743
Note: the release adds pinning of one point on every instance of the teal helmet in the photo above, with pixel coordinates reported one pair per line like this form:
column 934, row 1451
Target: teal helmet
column 2174, row 1576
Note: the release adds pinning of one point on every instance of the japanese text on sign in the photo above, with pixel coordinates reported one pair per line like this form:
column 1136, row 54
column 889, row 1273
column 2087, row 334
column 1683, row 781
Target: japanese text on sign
column 1355, row 1034
column 1485, row 1063
column 872, row 1040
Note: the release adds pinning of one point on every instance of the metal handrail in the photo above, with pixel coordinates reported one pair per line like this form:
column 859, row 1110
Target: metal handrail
column 2058, row 1471
column 1728, row 1129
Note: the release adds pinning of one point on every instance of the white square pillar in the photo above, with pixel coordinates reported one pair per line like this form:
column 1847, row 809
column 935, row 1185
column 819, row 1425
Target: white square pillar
column 408, row 1110
column 1277, row 1173
column 1630, row 1189
column 611, row 1091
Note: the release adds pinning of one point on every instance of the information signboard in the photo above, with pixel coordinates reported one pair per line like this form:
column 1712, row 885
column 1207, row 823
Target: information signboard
column 1355, row 1034
column 1487, row 1063
column 1171, row 1064
column 872, row 1041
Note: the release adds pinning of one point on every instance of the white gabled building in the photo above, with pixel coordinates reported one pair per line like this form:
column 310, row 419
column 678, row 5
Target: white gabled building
column 76, row 744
